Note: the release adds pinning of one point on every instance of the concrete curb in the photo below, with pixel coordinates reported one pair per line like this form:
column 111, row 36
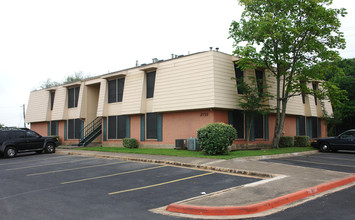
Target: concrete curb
column 175, row 163
column 259, row 207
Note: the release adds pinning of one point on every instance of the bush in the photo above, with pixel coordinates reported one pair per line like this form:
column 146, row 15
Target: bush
column 301, row 141
column 130, row 143
column 286, row 141
column 215, row 138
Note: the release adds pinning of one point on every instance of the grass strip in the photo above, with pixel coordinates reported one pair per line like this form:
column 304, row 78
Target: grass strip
column 200, row 154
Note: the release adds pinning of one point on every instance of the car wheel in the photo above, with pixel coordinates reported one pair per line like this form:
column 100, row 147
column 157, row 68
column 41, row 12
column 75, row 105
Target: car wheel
column 50, row 148
column 324, row 147
column 10, row 152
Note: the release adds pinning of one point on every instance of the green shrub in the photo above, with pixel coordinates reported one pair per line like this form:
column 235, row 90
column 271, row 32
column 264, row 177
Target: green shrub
column 301, row 141
column 215, row 138
column 130, row 143
column 286, row 141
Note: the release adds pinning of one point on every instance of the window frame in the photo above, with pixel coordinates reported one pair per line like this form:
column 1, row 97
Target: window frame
column 150, row 83
column 74, row 133
column 116, row 95
column 73, row 96
column 118, row 130
column 239, row 77
column 52, row 96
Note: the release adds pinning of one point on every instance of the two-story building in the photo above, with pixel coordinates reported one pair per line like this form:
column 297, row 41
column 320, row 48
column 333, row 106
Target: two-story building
column 163, row 101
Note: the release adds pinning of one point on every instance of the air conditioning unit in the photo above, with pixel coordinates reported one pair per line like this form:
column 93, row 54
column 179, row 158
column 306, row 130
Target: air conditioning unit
column 180, row 144
column 192, row 144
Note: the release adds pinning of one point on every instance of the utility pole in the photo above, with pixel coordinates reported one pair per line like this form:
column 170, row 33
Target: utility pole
column 24, row 123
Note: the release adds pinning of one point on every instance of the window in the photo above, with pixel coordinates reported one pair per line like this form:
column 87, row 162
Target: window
column 259, row 126
column 117, row 126
column 259, row 81
column 52, row 99
column 150, row 84
column 73, row 96
column 115, row 90
column 315, row 88
column 74, row 128
column 312, row 127
column 301, row 125
column 54, row 128
column 237, row 121
column 303, row 87
column 239, row 74
column 32, row 134
column 152, row 126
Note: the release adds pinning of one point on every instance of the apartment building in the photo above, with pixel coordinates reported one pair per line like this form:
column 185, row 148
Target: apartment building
column 163, row 101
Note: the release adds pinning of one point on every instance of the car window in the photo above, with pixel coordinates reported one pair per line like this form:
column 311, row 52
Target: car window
column 17, row 134
column 31, row 134
column 349, row 134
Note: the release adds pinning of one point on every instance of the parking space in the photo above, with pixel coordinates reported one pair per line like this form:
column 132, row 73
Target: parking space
column 341, row 161
column 53, row 186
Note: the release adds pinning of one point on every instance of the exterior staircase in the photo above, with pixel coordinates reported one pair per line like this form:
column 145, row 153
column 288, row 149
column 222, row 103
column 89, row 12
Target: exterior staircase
column 90, row 132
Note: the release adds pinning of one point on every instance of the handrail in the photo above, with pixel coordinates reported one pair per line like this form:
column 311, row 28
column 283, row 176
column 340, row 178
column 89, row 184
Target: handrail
column 90, row 128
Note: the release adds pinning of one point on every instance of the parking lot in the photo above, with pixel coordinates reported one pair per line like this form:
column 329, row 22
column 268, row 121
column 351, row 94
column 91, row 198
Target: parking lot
column 341, row 161
column 54, row 186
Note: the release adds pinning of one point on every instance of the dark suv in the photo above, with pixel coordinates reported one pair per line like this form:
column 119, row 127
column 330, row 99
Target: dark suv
column 18, row 140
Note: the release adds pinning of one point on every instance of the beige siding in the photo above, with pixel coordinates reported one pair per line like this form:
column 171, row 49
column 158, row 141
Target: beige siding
column 184, row 83
column 101, row 110
column 197, row 81
column 60, row 104
column 133, row 92
column 225, row 90
column 38, row 106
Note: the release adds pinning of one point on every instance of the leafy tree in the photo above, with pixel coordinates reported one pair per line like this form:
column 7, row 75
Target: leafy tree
column 2, row 125
column 344, row 112
column 77, row 76
column 254, row 100
column 287, row 37
column 48, row 83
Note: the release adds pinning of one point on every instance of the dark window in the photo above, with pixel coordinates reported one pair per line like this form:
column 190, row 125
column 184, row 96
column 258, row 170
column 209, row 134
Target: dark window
column 303, row 87
column 301, row 125
column 117, row 127
column 74, row 128
column 259, row 80
column 73, row 96
column 315, row 87
column 52, row 99
column 152, row 126
column 239, row 75
column 150, row 84
column 259, row 126
column 238, row 123
column 32, row 134
column 314, row 127
column 54, row 129
column 115, row 90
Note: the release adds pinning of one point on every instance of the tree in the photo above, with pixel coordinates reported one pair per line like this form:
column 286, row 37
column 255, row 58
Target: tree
column 287, row 37
column 2, row 126
column 77, row 76
column 344, row 111
column 253, row 100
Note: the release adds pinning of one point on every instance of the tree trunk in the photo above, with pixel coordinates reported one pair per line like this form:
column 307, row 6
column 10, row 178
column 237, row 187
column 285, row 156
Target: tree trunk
column 280, row 118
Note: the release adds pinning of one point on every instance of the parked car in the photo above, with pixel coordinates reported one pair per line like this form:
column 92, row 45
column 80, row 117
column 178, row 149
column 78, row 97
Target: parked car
column 19, row 140
column 344, row 141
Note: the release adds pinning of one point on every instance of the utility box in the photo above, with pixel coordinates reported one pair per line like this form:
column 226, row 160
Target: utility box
column 180, row 144
column 192, row 144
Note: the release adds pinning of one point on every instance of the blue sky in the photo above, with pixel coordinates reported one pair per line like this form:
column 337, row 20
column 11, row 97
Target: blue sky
column 43, row 39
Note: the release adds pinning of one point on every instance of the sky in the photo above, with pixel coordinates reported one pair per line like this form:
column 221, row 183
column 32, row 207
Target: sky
column 47, row 39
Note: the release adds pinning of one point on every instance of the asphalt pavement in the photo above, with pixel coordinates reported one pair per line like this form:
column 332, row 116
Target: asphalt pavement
column 281, row 186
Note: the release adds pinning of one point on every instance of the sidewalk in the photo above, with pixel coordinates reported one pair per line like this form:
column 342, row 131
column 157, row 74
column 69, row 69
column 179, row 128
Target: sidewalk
column 281, row 184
